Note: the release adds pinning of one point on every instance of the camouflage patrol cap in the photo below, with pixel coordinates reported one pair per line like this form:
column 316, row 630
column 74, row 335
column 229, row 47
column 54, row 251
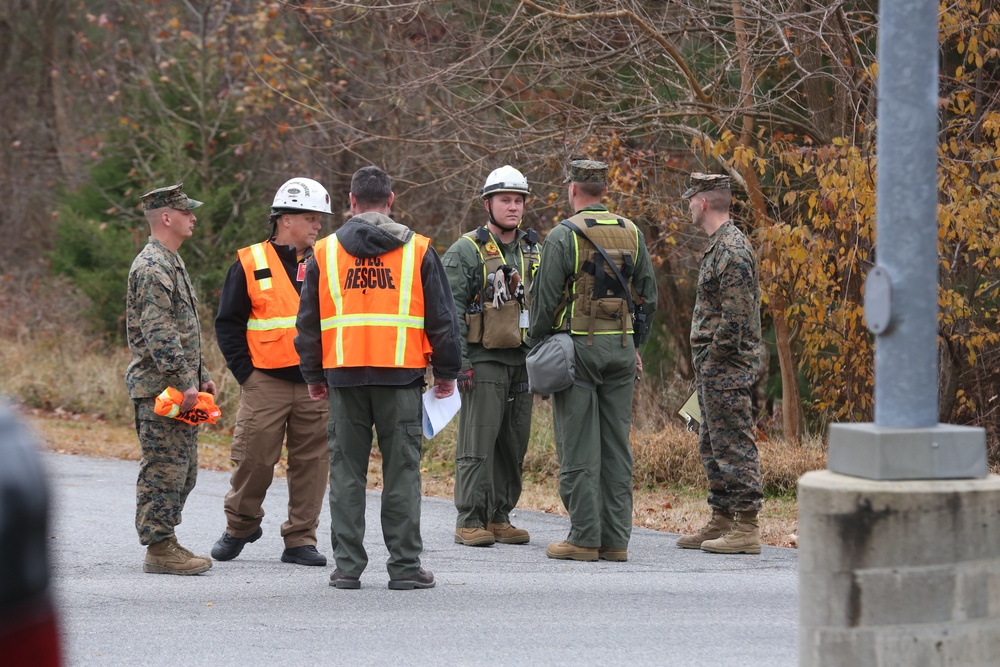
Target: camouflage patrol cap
column 587, row 171
column 700, row 182
column 171, row 196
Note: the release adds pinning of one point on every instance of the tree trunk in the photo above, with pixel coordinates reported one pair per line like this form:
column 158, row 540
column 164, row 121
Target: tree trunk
column 791, row 402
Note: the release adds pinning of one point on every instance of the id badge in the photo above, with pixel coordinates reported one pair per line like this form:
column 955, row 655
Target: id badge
column 301, row 274
column 522, row 321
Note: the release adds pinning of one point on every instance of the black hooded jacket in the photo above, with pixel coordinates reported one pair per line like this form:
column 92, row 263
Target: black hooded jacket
column 371, row 235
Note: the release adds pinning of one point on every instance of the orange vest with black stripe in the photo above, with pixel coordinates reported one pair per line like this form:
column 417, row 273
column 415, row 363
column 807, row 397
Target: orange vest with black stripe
column 372, row 308
column 275, row 303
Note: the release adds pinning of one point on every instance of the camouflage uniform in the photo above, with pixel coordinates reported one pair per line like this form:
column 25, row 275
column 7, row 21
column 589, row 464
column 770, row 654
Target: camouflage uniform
column 495, row 418
column 725, row 348
column 165, row 340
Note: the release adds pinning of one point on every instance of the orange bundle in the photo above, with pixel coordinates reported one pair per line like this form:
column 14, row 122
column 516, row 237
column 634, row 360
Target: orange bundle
column 168, row 404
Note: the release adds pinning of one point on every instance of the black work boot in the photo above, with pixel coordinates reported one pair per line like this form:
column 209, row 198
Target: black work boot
column 340, row 580
column 421, row 579
column 304, row 555
column 229, row 547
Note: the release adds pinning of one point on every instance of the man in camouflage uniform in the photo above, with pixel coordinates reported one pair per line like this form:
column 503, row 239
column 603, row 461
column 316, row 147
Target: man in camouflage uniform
column 495, row 419
column 578, row 292
column 725, row 348
column 165, row 340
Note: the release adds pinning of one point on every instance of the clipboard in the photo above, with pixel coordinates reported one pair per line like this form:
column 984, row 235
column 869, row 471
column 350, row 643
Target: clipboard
column 690, row 412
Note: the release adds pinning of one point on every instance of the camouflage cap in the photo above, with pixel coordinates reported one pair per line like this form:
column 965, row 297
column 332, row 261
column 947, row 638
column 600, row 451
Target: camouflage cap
column 587, row 171
column 700, row 182
column 171, row 196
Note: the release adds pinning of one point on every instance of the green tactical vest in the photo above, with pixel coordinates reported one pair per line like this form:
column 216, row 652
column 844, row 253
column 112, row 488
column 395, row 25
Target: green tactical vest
column 596, row 301
column 499, row 328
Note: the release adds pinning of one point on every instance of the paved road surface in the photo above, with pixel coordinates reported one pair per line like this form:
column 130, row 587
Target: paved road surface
column 502, row 605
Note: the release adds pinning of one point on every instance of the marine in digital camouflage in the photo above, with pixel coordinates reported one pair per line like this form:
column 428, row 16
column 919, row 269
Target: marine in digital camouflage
column 725, row 324
column 725, row 348
column 165, row 340
column 587, row 171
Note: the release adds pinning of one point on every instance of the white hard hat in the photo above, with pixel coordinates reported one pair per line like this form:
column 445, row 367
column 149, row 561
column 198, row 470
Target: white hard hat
column 302, row 194
column 504, row 179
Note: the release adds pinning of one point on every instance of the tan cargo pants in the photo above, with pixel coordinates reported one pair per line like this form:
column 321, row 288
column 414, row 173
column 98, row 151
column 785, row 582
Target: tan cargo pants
column 273, row 413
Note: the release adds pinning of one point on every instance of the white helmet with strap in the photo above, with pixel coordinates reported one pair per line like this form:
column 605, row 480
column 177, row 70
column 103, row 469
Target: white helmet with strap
column 504, row 179
column 301, row 194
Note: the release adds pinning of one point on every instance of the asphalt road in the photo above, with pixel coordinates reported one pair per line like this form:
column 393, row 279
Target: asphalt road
column 501, row 605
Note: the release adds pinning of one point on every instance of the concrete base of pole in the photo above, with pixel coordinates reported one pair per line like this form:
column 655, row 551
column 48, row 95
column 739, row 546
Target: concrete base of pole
column 944, row 451
column 898, row 573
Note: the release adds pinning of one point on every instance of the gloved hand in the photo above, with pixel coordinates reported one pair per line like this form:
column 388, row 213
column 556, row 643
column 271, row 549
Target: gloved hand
column 465, row 382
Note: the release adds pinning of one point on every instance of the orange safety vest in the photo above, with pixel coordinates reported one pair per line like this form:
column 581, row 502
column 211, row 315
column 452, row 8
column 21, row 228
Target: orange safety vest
column 275, row 303
column 372, row 308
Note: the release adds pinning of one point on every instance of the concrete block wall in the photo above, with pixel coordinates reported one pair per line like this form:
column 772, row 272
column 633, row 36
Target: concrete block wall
column 898, row 573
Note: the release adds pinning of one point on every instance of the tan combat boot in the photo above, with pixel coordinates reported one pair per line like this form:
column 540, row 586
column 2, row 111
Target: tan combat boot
column 474, row 537
column 567, row 551
column 186, row 552
column 717, row 526
column 508, row 534
column 742, row 538
column 612, row 554
column 168, row 557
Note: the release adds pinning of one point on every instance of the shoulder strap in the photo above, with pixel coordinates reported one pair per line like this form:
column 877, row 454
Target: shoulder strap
column 614, row 267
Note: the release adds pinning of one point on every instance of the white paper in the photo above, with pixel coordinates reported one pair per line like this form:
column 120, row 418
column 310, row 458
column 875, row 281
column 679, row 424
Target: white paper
column 439, row 411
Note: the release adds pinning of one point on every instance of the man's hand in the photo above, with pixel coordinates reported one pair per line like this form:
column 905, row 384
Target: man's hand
column 445, row 388
column 190, row 399
column 209, row 387
column 318, row 392
column 638, row 362
column 466, row 383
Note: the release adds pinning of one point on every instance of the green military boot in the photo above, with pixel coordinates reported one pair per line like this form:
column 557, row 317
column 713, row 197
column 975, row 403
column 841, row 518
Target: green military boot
column 742, row 538
column 168, row 557
column 717, row 526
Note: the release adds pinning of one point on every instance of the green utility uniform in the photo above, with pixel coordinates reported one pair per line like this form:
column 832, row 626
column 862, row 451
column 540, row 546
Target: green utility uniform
column 495, row 418
column 576, row 291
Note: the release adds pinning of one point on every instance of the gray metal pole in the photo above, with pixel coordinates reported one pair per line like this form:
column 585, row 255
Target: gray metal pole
column 906, row 361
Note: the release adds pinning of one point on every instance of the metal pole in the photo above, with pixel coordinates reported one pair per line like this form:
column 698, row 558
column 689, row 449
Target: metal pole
column 906, row 361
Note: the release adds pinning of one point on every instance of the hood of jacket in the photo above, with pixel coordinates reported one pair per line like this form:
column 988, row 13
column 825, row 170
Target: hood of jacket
column 372, row 234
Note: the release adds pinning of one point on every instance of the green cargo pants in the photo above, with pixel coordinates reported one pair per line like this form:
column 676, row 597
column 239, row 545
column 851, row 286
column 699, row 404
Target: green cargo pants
column 493, row 428
column 396, row 414
column 592, row 427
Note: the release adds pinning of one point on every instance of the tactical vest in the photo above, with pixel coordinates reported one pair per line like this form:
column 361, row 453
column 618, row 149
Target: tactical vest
column 500, row 328
column 372, row 309
column 274, row 304
column 595, row 302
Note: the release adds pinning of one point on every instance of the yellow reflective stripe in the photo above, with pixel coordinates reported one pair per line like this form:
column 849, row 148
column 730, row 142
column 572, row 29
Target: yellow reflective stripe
column 406, row 287
column 399, row 321
column 333, row 278
column 260, row 262
column 270, row 323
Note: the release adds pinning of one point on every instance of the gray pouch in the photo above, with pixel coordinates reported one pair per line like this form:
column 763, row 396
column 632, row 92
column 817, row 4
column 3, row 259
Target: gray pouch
column 551, row 365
